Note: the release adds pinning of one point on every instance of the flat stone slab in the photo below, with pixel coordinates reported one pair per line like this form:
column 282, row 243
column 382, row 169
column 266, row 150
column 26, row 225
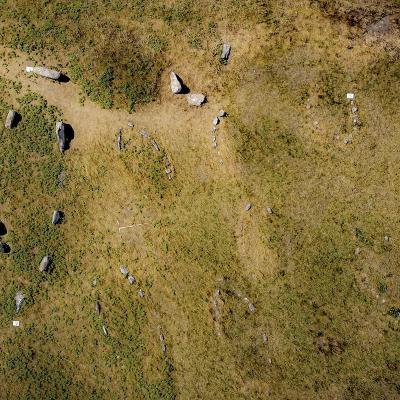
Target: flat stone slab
column 45, row 72
column 196, row 99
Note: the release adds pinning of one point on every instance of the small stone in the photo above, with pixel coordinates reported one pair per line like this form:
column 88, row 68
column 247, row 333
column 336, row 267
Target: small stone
column 215, row 145
column 98, row 308
column 248, row 207
column 162, row 338
column 164, row 348
column 265, row 338
column 251, row 307
column 168, row 171
column 386, row 238
column 144, row 134
column 176, row 86
column 196, row 99
column 61, row 136
column 130, row 125
column 226, row 50
column 131, row 279
column 348, row 139
column 123, row 270
column 105, row 331
column 222, row 114
column 45, row 264
column 354, row 109
column 11, row 119
column 19, row 298
column 94, row 282
column 215, row 121
column 269, row 210
column 357, row 251
column 57, row 217
column 350, row 96
column 308, row 106
column 141, row 293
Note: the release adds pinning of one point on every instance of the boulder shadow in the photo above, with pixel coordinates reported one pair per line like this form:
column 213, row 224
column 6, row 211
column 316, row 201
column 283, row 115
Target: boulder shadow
column 17, row 120
column 3, row 229
column 69, row 135
column 63, row 79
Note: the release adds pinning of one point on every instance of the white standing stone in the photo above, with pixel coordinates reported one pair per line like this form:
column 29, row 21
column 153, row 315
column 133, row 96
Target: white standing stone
column 176, row 86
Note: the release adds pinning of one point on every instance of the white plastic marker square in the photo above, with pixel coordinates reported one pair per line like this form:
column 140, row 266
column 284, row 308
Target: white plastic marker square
column 350, row 96
column 15, row 323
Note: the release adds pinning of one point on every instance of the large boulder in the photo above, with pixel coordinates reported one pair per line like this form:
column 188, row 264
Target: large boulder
column 45, row 264
column 176, row 85
column 11, row 119
column 45, row 72
column 196, row 99
column 61, row 136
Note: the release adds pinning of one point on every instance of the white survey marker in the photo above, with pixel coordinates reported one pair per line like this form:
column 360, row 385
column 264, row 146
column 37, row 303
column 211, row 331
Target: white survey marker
column 350, row 96
column 15, row 323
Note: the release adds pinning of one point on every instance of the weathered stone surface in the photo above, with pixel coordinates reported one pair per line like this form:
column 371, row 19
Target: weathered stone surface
column 19, row 298
column 131, row 279
column 196, row 99
column 57, row 217
column 45, row 72
column 61, row 136
column 248, row 207
column 105, row 331
column 222, row 114
column 123, row 270
column 384, row 25
column 176, row 86
column 45, row 264
column 269, row 210
column 226, row 51
column 215, row 121
column 11, row 119
column 141, row 293
column 98, row 308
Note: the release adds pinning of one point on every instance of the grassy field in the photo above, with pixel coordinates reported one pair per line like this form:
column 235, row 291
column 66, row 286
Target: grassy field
column 321, row 270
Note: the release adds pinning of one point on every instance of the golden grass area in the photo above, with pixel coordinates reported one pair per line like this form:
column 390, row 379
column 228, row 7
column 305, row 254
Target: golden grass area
column 325, row 324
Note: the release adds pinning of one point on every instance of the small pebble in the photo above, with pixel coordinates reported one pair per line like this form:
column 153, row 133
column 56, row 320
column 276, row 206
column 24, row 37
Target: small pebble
column 269, row 210
column 123, row 270
column 222, row 114
column 357, row 251
column 130, row 125
column 354, row 110
column 141, row 293
column 247, row 207
column 386, row 238
column 214, row 144
column 94, row 282
column 215, row 121
column 105, row 331
column 131, row 279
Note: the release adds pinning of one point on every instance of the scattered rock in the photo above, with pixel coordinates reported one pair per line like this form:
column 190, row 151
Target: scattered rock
column 222, row 114
column 45, row 264
column 141, row 293
column 269, row 210
column 98, row 308
column 61, row 179
column 94, row 282
column 248, row 206
column 155, row 144
column 61, row 136
column 215, row 121
column 131, row 279
column 265, row 338
column 57, row 217
column 144, row 134
column 357, row 251
column 119, row 139
column 226, row 51
column 348, row 139
column 164, row 347
column 105, row 331
column 196, row 99
column 123, row 270
column 4, row 248
column 176, row 85
column 386, row 238
column 11, row 119
column 130, row 125
column 45, row 72
column 354, row 109
column 350, row 96
column 19, row 298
